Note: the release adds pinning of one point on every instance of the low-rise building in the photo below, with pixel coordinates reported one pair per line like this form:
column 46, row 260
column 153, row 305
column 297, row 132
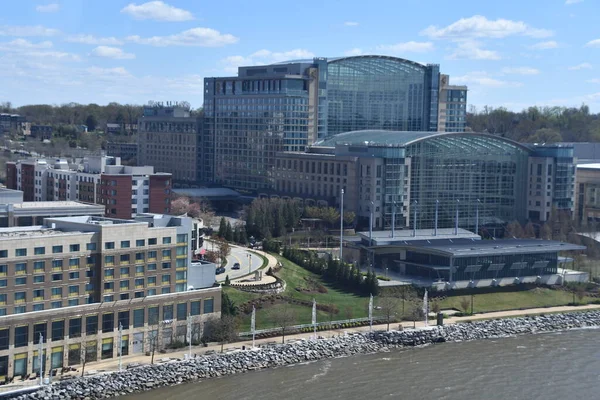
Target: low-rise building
column 41, row 132
column 125, row 151
column 124, row 191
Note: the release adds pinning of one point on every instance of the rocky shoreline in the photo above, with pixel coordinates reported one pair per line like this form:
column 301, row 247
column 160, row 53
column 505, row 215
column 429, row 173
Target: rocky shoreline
column 210, row 366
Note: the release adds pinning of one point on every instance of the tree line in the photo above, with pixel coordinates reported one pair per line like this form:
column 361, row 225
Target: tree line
column 266, row 218
column 345, row 276
column 537, row 124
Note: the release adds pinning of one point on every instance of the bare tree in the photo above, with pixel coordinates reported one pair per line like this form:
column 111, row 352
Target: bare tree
column 389, row 306
column 87, row 355
column 465, row 304
column 224, row 250
column 283, row 317
column 223, row 330
column 153, row 342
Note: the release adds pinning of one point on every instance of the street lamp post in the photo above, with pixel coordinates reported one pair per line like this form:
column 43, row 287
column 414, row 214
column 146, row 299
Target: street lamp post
column 342, row 225
column 371, row 236
column 249, row 263
column 120, row 339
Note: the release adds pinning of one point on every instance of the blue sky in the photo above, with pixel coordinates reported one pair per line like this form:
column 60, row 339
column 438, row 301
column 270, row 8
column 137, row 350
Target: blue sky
column 509, row 53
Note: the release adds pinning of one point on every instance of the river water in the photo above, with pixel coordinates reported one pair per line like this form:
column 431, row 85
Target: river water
column 563, row 365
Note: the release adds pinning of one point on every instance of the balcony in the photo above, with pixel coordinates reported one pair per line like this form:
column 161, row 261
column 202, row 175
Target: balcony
column 55, row 296
column 39, row 298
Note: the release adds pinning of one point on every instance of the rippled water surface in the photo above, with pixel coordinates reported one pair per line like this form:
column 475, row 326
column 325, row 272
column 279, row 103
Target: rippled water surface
column 549, row 366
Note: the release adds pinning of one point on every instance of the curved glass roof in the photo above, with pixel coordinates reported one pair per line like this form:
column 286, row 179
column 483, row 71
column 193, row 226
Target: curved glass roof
column 383, row 138
column 394, row 64
column 414, row 65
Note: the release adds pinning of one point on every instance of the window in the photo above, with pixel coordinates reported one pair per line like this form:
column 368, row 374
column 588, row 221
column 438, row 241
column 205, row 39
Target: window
column 56, row 304
column 124, row 285
column 109, row 260
column 58, row 330
column 168, row 312
column 123, row 317
column 39, row 266
column 124, row 258
column 181, row 251
column 3, row 283
column 3, row 269
column 125, row 244
column 74, row 263
column 153, row 315
column 151, row 281
column 180, row 275
column 166, row 265
column 152, row 255
column 124, row 296
column 108, row 298
column 90, row 260
column 4, row 338
column 208, row 305
column 195, row 307
column 38, row 307
column 151, row 267
column 75, row 327
column 56, row 292
column 40, row 329
column 166, row 254
column 109, row 286
column 138, row 318
column 151, row 292
column 3, row 253
column 139, row 283
column 151, row 241
column 139, row 270
column 140, row 243
column 21, row 252
column 21, row 336
column 20, row 297
column 38, row 251
column 124, row 272
column 108, row 322
column 57, row 277
column 109, row 273
column 139, row 258
column 91, row 324
column 109, row 245
column 166, row 279
column 21, row 268
column 39, row 279
column 57, row 265
column 21, row 280
column 38, row 294
column 73, row 247
column 73, row 302
column 138, row 294
column 90, row 246
column 20, row 309
column 182, row 238
column 73, row 290
column 3, row 298
column 166, row 240
column 181, row 311
column 57, row 249
column 181, row 262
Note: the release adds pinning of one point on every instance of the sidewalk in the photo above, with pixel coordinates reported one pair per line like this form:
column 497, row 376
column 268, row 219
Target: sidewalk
column 113, row 364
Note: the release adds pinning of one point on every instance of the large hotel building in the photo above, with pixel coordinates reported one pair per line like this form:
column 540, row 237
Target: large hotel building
column 74, row 281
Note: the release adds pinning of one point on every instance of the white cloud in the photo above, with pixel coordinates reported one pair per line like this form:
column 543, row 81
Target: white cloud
column 521, row 70
column 593, row 43
column 22, row 48
column 112, row 52
column 595, row 80
column 22, row 44
column 201, row 37
column 354, row 52
column 351, row 23
column 91, row 39
column 584, row 65
column 158, row 11
column 550, row 44
column 479, row 26
column 48, row 8
column 264, row 57
column 27, row 30
column 471, row 50
column 570, row 2
column 117, row 71
column 406, row 47
column 481, row 78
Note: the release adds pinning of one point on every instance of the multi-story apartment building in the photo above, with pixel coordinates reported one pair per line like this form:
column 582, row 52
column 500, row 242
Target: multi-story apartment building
column 124, row 190
column 125, row 151
column 551, row 183
column 587, row 207
column 95, row 273
column 41, row 132
column 168, row 140
column 386, row 173
column 290, row 105
column 11, row 122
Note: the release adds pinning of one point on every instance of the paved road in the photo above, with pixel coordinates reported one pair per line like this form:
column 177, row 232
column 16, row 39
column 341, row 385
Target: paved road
column 238, row 255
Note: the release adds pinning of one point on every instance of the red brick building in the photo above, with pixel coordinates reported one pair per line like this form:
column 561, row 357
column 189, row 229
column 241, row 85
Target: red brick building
column 125, row 191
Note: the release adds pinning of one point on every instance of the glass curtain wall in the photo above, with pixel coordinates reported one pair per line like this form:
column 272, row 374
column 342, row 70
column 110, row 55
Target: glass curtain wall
column 374, row 92
column 459, row 170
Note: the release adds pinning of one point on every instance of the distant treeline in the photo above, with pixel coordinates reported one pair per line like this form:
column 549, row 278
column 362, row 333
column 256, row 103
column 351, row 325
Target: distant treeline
column 537, row 124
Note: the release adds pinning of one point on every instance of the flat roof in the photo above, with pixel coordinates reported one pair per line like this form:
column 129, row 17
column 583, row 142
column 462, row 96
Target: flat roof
column 207, row 192
column 31, row 231
column 404, row 236
column 469, row 248
column 589, row 166
column 56, row 204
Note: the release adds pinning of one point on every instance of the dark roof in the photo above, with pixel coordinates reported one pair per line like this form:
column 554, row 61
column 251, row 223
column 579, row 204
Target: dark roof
column 469, row 248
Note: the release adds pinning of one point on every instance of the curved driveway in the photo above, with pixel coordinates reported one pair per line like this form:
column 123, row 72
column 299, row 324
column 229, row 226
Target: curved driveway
column 238, row 255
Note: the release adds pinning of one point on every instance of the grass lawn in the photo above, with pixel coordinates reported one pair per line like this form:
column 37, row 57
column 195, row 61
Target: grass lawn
column 349, row 305
column 502, row 301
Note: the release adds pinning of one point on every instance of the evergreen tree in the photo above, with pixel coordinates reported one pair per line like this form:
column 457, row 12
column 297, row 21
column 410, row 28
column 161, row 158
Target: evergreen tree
column 236, row 234
column 228, row 232
column 243, row 239
column 227, row 282
column 222, row 227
